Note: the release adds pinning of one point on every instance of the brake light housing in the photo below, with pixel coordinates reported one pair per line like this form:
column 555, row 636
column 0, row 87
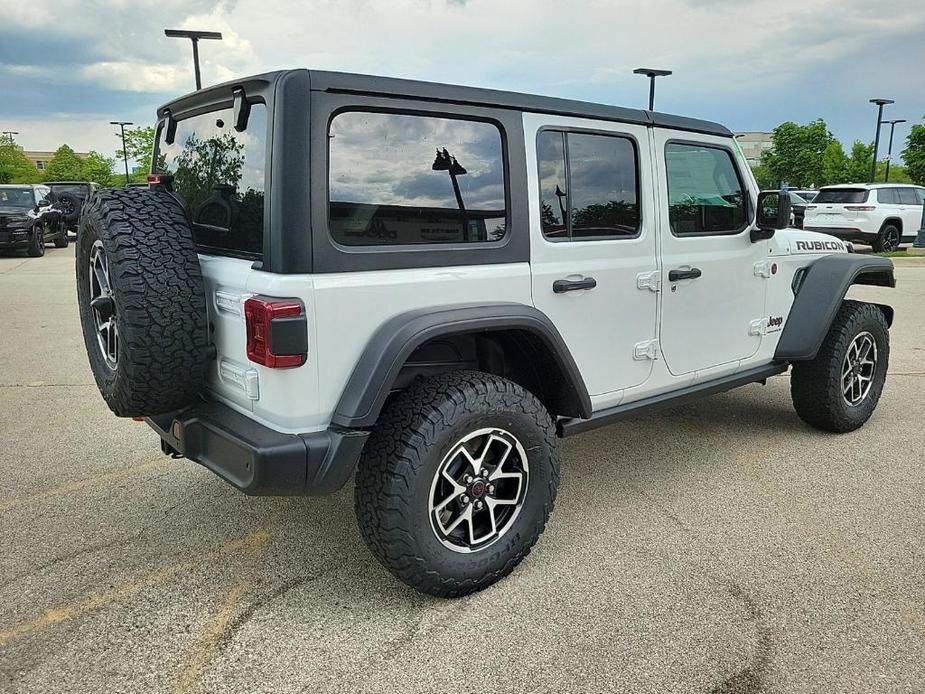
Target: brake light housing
column 277, row 332
column 860, row 208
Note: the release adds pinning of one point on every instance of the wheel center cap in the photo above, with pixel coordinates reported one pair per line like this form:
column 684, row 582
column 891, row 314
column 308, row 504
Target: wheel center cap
column 477, row 490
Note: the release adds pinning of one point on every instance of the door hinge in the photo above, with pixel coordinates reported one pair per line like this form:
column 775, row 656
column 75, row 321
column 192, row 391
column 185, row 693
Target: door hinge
column 763, row 269
column 759, row 326
column 649, row 280
column 646, row 350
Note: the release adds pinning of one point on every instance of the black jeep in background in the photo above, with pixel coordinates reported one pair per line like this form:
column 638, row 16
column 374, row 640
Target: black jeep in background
column 30, row 217
column 71, row 196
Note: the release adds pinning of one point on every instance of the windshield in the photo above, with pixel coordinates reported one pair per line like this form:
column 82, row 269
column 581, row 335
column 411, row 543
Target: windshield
column 19, row 198
column 841, row 195
column 219, row 174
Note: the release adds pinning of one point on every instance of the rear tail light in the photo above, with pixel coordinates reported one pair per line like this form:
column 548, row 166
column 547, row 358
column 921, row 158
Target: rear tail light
column 860, row 208
column 277, row 332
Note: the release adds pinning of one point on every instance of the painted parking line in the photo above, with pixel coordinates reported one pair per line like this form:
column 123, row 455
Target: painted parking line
column 68, row 611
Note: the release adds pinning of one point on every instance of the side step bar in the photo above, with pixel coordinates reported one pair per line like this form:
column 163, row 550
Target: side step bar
column 568, row 427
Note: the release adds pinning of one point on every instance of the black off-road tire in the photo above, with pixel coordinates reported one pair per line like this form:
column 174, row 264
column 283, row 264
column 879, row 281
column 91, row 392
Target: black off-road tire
column 62, row 240
column 73, row 204
column 888, row 239
column 159, row 301
column 816, row 386
column 36, row 247
column 415, row 432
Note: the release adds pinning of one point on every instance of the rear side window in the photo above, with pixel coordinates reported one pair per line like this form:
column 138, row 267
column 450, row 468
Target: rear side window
column 907, row 196
column 705, row 194
column 220, row 174
column 413, row 179
column 842, row 195
column 589, row 188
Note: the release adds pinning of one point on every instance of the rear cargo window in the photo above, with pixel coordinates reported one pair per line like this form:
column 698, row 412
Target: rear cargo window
column 219, row 173
column 410, row 179
column 841, row 195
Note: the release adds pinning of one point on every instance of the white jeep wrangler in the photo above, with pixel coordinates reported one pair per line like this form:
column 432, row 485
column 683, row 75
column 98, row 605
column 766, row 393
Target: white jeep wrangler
column 428, row 285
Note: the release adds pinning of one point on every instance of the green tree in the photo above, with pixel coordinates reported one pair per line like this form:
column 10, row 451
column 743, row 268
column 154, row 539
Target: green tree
column 796, row 154
column 139, row 144
column 65, row 166
column 98, row 169
column 914, row 155
column 14, row 167
column 858, row 169
column 834, row 164
column 204, row 164
column 763, row 177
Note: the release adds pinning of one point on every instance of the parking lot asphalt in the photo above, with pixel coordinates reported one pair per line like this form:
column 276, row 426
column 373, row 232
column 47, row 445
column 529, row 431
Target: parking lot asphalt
column 721, row 547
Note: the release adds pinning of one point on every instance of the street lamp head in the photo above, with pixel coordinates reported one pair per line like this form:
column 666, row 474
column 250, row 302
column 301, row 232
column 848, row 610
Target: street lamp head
column 882, row 102
column 195, row 35
column 894, row 122
column 651, row 72
column 121, row 122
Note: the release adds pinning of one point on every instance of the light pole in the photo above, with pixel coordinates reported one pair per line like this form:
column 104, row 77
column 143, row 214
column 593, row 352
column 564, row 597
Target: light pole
column 9, row 134
column 444, row 161
column 194, row 36
column 122, row 124
column 651, row 73
column 880, row 104
column 889, row 151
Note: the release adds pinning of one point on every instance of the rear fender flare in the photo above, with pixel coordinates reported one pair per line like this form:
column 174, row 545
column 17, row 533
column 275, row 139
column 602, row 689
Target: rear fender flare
column 389, row 347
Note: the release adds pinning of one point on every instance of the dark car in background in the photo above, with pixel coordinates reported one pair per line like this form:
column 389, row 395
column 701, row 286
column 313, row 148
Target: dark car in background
column 29, row 218
column 71, row 196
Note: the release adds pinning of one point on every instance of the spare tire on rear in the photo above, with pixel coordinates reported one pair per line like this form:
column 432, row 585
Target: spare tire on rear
column 70, row 207
column 142, row 301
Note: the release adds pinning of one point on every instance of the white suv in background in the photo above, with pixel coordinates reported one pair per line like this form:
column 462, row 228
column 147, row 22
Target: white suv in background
column 882, row 215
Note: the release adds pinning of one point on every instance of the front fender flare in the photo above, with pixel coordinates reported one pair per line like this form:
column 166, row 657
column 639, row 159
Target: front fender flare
column 389, row 347
column 819, row 293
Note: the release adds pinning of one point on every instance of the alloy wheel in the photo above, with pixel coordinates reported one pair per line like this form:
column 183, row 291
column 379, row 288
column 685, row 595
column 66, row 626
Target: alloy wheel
column 103, row 306
column 858, row 369
column 478, row 490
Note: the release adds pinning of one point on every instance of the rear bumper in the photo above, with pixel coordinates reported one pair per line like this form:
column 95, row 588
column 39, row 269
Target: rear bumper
column 844, row 233
column 256, row 459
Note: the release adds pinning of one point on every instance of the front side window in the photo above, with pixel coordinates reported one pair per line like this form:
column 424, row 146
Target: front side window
column 220, row 175
column 412, row 179
column 588, row 186
column 705, row 195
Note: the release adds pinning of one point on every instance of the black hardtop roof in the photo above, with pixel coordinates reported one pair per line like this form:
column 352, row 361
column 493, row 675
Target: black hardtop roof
column 344, row 82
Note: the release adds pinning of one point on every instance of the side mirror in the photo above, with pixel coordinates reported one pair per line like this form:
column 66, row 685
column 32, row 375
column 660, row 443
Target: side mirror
column 773, row 214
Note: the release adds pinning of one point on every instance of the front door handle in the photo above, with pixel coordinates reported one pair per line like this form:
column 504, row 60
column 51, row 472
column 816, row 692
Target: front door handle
column 691, row 274
column 562, row 286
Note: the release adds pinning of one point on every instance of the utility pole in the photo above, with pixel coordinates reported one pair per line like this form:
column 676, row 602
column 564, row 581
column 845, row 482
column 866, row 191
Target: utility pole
column 9, row 134
column 194, row 36
column 889, row 150
column 651, row 73
column 122, row 124
column 880, row 103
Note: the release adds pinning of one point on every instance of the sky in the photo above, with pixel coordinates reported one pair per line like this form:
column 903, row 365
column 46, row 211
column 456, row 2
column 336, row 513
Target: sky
column 68, row 67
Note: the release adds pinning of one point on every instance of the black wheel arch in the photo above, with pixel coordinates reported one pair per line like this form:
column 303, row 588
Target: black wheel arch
column 819, row 291
column 387, row 353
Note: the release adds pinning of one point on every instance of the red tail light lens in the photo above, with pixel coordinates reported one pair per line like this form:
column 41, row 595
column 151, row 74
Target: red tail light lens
column 277, row 335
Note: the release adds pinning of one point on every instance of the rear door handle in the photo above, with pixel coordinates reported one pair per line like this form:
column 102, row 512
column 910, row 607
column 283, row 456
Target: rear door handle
column 562, row 286
column 692, row 274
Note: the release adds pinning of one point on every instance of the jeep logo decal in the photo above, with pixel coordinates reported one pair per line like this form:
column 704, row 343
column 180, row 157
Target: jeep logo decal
column 820, row 246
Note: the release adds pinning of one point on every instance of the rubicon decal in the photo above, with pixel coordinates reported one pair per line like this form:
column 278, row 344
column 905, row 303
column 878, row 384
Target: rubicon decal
column 812, row 246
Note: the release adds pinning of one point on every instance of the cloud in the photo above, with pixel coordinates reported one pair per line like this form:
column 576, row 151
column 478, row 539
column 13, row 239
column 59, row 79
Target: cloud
column 747, row 64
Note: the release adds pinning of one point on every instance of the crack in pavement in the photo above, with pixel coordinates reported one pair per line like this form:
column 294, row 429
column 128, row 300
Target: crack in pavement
column 749, row 679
